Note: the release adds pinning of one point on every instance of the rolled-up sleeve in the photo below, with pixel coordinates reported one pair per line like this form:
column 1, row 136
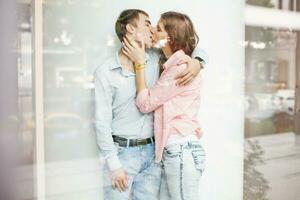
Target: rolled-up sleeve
column 149, row 99
column 198, row 52
column 103, row 120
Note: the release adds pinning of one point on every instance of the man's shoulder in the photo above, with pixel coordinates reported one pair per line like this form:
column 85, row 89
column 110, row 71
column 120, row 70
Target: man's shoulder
column 103, row 69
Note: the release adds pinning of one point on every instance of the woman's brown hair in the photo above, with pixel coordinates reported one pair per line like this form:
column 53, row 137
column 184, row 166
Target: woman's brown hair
column 181, row 32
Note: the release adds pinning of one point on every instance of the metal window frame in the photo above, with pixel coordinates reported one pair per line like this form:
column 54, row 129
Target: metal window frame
column 38, row 86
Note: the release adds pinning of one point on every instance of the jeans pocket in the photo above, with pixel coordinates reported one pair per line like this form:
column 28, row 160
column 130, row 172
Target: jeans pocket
column 199, row 159
column 171, row 152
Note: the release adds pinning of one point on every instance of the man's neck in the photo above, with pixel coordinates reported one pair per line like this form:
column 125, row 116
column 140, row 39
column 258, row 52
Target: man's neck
column 126, row 62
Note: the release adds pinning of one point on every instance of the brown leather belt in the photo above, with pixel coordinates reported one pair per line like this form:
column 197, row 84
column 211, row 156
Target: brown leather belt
column 123, row 142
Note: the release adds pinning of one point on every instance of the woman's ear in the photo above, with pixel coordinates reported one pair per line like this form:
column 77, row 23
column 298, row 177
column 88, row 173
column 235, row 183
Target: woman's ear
column 170, row 40
column 130, row 28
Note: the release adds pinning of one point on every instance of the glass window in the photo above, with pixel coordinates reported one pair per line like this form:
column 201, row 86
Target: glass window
column 276, row 4
column 270, row 139
column 270, row 80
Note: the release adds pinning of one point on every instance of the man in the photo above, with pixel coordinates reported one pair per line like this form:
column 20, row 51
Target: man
column 125, row 135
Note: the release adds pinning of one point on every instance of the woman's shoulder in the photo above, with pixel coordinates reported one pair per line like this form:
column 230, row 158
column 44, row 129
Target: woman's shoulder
column 179, row 58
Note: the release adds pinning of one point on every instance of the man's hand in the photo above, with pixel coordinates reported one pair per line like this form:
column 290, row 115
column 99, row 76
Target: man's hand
column 134, row 50
column 189, row 74
column 119, row 179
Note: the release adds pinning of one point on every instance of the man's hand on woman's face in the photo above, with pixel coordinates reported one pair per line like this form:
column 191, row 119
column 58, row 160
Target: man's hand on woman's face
column 134, row 51
column 189, row 74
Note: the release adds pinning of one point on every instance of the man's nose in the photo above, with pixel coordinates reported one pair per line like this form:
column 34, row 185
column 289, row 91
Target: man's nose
column 153, row 30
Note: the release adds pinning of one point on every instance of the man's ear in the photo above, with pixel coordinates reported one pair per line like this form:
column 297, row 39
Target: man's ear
column 130, row 28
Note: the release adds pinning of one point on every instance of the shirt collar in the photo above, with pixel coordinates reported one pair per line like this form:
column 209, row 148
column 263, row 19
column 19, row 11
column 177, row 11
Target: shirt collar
column 117, row 63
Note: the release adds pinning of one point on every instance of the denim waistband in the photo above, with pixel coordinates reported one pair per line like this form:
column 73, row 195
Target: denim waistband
column 185, row 145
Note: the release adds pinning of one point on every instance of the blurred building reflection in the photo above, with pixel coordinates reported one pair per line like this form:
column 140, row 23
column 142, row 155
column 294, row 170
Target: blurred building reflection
column 270, row 80
column 271, row 162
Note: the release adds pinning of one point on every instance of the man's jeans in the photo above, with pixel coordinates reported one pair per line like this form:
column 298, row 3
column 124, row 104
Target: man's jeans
column 183, row 166
column 144, row 175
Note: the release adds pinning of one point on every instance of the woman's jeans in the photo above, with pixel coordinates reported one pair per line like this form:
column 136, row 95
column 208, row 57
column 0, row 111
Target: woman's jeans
column 183, row 166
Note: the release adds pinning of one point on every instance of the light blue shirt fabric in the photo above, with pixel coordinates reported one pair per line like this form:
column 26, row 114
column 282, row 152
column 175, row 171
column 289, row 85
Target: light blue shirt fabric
column 115, row 109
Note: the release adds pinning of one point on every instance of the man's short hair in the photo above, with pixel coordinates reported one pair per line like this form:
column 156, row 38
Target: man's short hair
column 129, row 16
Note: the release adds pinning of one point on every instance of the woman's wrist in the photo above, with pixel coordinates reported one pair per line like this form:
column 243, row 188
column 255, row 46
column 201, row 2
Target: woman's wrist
column 139, row 67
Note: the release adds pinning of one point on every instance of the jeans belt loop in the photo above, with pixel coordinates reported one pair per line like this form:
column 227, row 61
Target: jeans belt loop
column 128, row 142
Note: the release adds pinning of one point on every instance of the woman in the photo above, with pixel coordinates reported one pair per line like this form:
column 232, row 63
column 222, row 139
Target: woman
column 176, row 128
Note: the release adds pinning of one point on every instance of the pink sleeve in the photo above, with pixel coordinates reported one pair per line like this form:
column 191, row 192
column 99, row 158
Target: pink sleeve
column 150, row 99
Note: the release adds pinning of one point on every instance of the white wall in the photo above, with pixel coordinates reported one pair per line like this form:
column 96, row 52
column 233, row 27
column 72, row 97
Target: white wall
column 220, row 27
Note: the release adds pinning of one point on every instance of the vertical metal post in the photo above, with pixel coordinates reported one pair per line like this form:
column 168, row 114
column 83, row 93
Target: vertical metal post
column 297, row 92
column 38, row 98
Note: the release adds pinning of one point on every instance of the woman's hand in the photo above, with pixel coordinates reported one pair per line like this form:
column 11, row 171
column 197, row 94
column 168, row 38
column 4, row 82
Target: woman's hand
column 134, row 51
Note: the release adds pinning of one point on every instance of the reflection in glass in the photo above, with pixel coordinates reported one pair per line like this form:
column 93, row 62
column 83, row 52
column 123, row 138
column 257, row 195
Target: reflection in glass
column 71, row 47
column 70, row 44
column 270, row 147
column 276, row 4
column 255, row 184
column 25, row 101
column 270, row 81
